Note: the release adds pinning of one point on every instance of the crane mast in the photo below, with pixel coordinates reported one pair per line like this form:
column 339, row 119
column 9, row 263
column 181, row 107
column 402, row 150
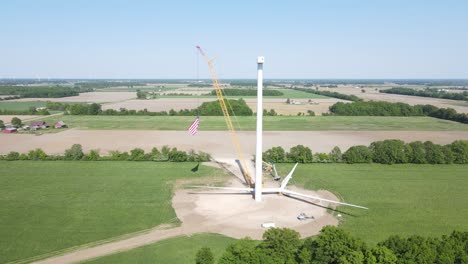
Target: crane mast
column 227, row 118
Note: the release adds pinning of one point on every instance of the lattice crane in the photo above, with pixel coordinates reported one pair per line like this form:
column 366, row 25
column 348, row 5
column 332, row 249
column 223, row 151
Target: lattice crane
column 227, row 118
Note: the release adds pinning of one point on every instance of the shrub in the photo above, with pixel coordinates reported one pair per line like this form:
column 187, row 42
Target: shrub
column 37, row 154
column 74, row 153
column 13, row 155
column 92, row 155
column 137, row 154
column 177, row 155
column 117, row 155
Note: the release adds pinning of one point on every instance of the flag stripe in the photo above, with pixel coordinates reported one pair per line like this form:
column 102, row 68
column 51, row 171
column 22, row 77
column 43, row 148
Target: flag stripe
column 193, row 129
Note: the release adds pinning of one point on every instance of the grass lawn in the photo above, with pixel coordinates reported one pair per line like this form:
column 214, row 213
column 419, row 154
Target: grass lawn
column 174, row 250
column 429, row 200
column 47, row 206
column 272, row 123
column 17, row 106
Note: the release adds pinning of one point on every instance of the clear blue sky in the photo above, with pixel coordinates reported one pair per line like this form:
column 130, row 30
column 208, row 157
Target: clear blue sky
column 299, row 39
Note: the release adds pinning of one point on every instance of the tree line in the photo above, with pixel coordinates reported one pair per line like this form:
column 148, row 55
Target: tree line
column 434, row 93
column 391, row 151
column 379, row 108
column 40, row 91
column 137, row 154
column 235, row 107
column 334, row 245
column 31, row 111
column 248, row 92
column 331, row 94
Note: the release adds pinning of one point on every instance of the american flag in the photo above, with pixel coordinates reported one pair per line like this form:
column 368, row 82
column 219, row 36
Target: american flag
column 193, row 129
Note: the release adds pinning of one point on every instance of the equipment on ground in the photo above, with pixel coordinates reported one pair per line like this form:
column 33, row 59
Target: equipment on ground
column 270, row 168
column 303, row 216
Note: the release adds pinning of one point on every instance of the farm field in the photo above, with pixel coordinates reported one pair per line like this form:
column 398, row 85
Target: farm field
column 50, row 206
column 91, row 97
column 165, row 251
column 271, row 123
column 375, row 95
column 17, row 106
column 403, row 199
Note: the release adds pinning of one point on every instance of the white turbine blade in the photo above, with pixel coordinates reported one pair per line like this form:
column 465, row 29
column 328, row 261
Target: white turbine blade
column 271, row 190
column 286, row 180
column 322, row 199
column 224, row 188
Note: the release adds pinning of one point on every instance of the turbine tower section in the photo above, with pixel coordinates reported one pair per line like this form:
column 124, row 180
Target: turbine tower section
column 258, row 152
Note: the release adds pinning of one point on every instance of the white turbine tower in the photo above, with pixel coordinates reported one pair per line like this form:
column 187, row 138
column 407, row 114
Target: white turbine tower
column 258, row 189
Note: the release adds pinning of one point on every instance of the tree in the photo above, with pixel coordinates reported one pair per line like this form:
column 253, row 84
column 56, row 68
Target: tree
column 15, row 121
column 434, row 153
column 358, row 154
column 94, row 109
column 140, row 94
column 383, row 255
column 310, row 113
column 418, row 153
column 275, row 154
column 335, row 155
column 389, row 151
column 137, row 154
column 335, row 245
column 280, row 245
column 240, row 252
column 460, row 151
column 204, row 256
column 74, row 153
column 2, row 125
column 300, row 154
column 13, row 155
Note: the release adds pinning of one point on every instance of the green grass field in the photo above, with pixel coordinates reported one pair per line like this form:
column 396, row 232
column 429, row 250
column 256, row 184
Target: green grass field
column 18, row 106
column 174, row 250
column 50, row 206
column 271, row 123
column 429, row 200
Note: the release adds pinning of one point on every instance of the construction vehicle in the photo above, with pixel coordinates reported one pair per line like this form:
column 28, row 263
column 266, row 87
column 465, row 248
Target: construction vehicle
column 227, row 118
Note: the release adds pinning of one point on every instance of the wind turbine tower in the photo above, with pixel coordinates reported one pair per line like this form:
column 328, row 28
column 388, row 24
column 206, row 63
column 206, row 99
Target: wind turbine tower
column 258, row 154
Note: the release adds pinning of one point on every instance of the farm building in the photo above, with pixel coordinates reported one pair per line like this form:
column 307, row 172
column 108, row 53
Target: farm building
column 60, row 124
column 38, row 125
column 10, row 130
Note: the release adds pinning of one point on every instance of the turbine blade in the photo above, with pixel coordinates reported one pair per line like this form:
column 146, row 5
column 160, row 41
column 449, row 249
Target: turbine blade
column 224, row 188
column 321, row 199
column 286, row 180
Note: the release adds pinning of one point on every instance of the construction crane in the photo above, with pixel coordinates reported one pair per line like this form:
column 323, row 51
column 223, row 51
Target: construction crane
column 232, row 131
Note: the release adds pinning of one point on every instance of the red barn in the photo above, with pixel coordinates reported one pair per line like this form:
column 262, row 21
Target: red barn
column 10, row 130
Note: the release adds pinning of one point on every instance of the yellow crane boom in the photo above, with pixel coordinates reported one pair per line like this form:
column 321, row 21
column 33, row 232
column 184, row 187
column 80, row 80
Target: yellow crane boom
column 232, row 131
